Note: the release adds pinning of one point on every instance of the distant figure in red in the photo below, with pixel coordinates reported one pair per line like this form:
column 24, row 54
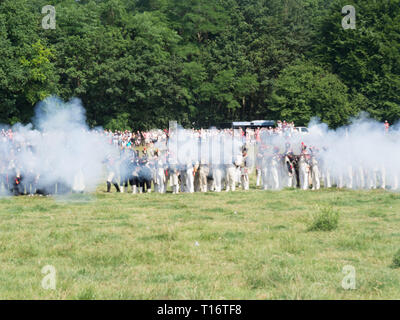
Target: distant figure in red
column 387, row 125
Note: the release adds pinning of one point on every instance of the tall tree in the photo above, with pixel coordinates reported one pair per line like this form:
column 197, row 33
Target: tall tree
column 367, row 58
column 304, row 90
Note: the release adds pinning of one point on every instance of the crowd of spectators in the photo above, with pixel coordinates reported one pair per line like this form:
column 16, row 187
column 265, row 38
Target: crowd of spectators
column 134, row 139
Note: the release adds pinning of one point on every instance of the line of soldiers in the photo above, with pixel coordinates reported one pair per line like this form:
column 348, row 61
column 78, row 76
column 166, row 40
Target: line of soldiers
column 274, row 170
column 312, row 168
column 286, row 170
column 141, row 172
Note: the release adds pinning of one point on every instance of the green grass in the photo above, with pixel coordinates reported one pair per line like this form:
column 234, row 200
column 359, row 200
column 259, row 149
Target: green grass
column 250, row 245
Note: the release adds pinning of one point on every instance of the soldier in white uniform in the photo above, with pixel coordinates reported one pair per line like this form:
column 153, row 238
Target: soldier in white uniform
column 274, row 169
column 349, row 177
column 315, row 172
column 239, row 173
column 245, row 180
column 303, row 171
column 264, row 169
column 112, row 173
column 159, row 177
column 259, row 162
column 167, row 174
column 217, row 173
column 189, row 178
column 204, row 171
column 326, row 172
column 359, row 177
column 174, row 173
column 231, row 176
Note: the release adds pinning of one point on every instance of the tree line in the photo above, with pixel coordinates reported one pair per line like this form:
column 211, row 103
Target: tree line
column 137, row 64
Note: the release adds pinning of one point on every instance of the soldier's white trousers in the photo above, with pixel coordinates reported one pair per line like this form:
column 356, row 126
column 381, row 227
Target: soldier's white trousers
column 289, row 180
column 245, row 180
column 327, row 179
column 303, row 177
column 340, row 183
column 203, row 181
column 372, row 179
column 258, row 174
column 238, row 176
column 175, row 189
column 274, row 178
column 382, row 178
column 315, row 178
column 264, row 178
column 349, row 180
column 231, row 179
column 359, row 177
column 159, row 181
column 111, row 176
column 175, row 183
column 217, row 175
column 210, row 185
column 189, row 181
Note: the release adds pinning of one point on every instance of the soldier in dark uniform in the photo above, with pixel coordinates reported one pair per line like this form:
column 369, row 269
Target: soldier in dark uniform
column 145, row 176
column 124, row 169
column 289, row 169
column 134, row 180
column 14, row 173
column 17, row 186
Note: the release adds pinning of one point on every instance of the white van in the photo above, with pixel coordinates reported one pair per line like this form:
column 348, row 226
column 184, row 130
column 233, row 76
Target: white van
column 302, row 130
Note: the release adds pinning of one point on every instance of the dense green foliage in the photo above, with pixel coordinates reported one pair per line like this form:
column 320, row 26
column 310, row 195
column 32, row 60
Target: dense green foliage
column 140, row 63
column 327, row 219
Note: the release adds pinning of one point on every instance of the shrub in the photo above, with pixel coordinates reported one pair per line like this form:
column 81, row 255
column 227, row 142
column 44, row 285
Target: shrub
column 396, row 260
column 326, row 219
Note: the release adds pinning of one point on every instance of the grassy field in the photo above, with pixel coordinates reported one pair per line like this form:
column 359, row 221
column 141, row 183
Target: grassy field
column 242, row 245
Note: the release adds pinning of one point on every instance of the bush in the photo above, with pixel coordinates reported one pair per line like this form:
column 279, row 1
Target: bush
column 396, row 260
column 121, row 122
column 326, row 219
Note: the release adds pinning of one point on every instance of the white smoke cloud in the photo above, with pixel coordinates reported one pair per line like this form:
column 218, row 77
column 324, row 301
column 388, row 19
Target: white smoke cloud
column 362, row 155
column 57, row 148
